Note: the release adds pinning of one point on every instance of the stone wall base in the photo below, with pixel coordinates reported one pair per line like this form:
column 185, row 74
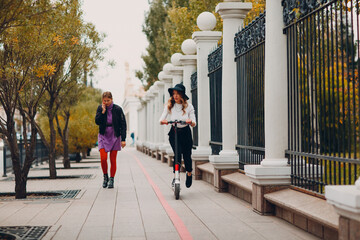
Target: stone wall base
column 219, row 184
column 349, row 229
column 196, row 171
column 240, row 193
column 163, row 159
column 313, row 227
column 259, row 203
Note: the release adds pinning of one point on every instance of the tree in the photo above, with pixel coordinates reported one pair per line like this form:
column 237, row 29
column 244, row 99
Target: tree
column 168, row 23
column 20, row 88
column 82, row 130
column 69, row 101
column 73, row 41
column 182, row 21
column 158, row 50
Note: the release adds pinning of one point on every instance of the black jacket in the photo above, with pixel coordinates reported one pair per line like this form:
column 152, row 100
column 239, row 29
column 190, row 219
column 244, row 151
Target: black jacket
column 118, row 121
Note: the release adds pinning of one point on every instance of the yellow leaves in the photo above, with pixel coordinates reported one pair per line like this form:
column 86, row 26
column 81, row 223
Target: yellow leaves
column 75, row 41
column 45, row 70
column 58, row 40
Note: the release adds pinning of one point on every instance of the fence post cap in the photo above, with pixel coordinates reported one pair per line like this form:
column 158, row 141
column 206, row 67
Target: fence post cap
column 167, row 68
column 175, row 59
column 161, row 75
column 206, row 21
column 188, row 47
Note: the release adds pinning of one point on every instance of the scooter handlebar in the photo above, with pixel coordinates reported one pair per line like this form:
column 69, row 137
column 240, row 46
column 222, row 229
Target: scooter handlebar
column 177, row 122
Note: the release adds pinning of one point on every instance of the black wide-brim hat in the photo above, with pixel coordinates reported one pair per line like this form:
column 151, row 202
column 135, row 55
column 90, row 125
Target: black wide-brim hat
column 179, row 88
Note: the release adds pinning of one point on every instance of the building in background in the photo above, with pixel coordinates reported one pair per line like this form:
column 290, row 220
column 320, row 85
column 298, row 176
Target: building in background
column 132, row 95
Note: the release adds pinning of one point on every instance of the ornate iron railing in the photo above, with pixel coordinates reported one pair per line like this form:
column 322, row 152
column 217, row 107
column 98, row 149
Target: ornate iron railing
column 215, row 85
column 323, row 92
column 250, row 61
column 251, row 36
column 195, row 104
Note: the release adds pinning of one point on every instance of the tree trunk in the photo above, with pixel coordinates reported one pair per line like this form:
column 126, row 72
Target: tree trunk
column 20, row 186
column 66, row 160
column 84, row 154
column 65, row 135
column 52, row 166
column 20, row 183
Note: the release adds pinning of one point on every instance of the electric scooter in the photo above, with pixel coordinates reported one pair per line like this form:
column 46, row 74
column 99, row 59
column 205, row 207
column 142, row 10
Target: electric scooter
column 177, row 161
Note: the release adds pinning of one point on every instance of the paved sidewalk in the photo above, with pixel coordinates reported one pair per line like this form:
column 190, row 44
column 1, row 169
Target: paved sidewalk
column 132, row 210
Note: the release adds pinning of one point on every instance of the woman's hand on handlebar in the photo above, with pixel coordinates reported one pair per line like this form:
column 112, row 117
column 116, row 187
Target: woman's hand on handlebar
column 164, row 122
column 188, row 121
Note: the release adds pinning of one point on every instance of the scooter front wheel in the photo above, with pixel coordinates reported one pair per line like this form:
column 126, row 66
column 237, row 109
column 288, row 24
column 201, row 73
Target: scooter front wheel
column 177, row 191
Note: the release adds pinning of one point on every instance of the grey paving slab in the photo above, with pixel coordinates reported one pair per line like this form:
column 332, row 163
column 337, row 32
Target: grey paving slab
column 128, row 229
column 95, row 233
column 24, row 216
column 65, row 232
column 8, row 210
column 50, row 214
column 132, row 209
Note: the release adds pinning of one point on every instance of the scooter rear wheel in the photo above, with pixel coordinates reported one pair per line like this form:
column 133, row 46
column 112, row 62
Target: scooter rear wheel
column 177, row 191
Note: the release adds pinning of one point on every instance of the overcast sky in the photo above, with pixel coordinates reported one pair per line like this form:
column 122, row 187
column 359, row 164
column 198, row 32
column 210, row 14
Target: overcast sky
column 122, row 22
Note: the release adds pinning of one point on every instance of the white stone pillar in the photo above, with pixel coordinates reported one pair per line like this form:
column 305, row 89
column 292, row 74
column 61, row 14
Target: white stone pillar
column 159, row 110
column 233, row 15
column 167, row 80
column 188, row 61
column 206, row 40
column 346, row 201
column 177, row 70
column 148, row 117
column 143, row 123
column 139, row 140
column 276, row 125
column 153, row 132
column 274, row 169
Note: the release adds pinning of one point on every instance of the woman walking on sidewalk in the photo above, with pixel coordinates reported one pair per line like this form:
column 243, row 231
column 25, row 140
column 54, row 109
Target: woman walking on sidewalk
column 112, row 135
column 178, row 108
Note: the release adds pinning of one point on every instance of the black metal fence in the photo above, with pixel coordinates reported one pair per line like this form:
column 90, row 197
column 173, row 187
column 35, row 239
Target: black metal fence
column 323, row 92
column 215, row 85
column 194, row 100
column 40, row 154
column 250, row 61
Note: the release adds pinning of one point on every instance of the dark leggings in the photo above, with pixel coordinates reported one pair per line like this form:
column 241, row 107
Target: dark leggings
column 184, row 146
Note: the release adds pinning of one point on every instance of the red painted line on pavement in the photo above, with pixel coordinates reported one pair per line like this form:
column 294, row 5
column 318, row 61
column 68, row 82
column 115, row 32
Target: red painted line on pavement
column 178, row 223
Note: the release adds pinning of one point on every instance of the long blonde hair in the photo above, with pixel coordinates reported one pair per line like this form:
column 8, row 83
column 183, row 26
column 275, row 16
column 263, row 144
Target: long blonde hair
column 171, row 103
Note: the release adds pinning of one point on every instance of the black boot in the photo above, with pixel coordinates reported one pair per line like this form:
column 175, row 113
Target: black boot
column 111, row 183
column 106, row 179
column 188, row 180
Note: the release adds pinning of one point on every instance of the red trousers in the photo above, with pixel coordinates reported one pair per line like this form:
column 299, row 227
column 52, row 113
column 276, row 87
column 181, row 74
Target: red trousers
column 104, row 166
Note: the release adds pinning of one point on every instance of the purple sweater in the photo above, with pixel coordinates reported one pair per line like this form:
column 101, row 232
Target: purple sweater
column 109, row 141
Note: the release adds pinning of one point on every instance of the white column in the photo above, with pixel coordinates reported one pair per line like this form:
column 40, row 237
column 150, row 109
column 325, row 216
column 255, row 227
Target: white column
column 206, row 40
column 148, row 117
column 233, row 15
column 167, row 80
column 153, row 132
column 188, row 61
column 139, row 140
column 159, row 109
column 143, row 124
column 177, row 70
column 274, row 169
